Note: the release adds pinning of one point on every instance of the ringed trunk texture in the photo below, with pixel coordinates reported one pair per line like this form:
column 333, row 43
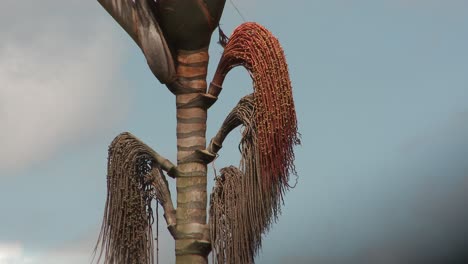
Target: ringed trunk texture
column 192, row 243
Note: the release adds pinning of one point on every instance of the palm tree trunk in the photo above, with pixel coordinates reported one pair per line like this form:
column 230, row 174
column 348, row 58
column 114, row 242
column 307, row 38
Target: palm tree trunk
column 192, row 234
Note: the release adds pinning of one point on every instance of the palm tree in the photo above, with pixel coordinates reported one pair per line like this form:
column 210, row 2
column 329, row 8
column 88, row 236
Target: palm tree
column 174, row 36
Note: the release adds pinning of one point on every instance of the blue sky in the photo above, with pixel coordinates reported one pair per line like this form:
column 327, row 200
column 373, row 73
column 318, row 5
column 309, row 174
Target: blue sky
column 381, row 92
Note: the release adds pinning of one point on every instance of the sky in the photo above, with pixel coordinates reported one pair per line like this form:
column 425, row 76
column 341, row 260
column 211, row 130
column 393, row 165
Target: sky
column 381, row 94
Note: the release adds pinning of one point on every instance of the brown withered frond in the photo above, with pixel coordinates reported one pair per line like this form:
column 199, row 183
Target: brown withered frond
column 126, row 235
column 242, row 207
column 255, row 48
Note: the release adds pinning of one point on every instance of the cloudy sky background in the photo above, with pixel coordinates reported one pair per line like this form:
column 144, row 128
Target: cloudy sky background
column 381, row 91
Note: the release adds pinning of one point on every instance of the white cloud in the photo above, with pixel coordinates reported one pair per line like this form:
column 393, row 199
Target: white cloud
column 58, row 84
column 13, row 253
column 76, row 251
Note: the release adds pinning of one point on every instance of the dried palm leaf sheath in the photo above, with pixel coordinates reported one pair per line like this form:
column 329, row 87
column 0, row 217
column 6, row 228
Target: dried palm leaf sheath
column 137, row 18
column 241, row 208
column 126, row 234
column 255, row 48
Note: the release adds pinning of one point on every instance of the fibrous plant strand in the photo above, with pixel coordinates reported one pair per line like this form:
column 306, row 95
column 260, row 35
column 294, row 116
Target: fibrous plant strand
column 255, row 48
column 246, row 200
column 134, row 179
column 242, row 208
